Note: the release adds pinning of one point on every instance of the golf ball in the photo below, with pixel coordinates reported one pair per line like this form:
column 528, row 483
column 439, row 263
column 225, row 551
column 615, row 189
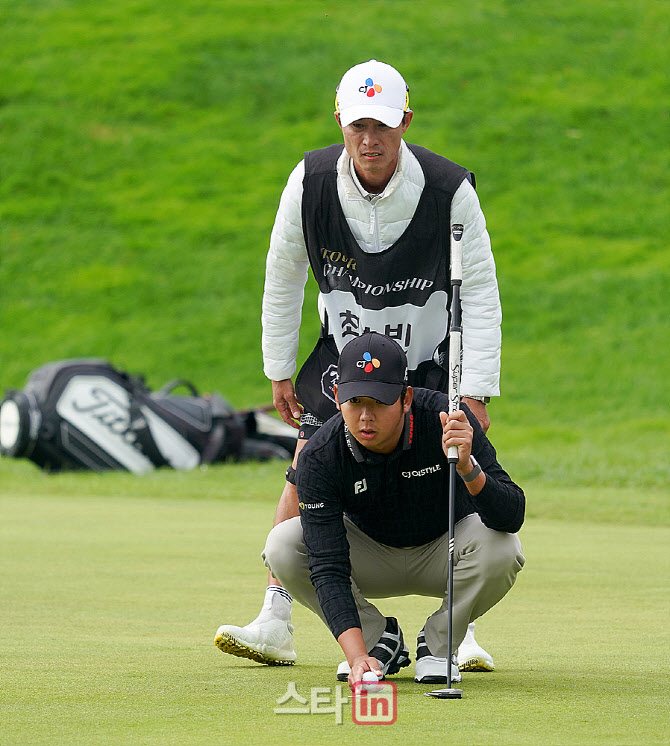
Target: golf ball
column 371, row 682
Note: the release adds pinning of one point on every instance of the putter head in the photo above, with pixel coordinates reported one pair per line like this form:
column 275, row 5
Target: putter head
column 445, row 694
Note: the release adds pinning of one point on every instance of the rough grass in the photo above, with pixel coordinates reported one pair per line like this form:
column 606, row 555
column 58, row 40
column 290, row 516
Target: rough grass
column 145, row 149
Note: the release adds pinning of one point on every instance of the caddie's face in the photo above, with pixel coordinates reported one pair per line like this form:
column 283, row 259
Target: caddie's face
column 374, row 146
column 376, row 426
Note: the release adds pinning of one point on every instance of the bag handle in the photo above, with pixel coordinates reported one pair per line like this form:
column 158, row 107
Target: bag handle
column 169, row 387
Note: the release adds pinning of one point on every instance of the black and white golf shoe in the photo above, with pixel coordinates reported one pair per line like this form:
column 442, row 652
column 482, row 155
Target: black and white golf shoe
column 390, row 651
column 429, row 669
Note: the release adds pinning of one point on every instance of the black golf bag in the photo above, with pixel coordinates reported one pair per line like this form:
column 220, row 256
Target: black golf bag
column 86, row 414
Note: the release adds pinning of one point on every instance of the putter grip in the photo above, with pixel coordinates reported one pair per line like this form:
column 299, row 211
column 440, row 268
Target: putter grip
column 454, row 383
column 455, row 329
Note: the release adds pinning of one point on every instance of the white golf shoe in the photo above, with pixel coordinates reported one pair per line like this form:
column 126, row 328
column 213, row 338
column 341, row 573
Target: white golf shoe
column 343, row 671
column 471, row 656
column 269, row 642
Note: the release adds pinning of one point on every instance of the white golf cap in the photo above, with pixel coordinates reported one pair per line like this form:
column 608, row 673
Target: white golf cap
column 372, row 90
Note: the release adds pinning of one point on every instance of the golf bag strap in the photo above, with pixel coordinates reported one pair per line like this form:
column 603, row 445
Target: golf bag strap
column 214, row 444
column 140, row 427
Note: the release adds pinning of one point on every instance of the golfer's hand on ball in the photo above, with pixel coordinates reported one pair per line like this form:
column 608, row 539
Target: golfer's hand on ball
column 361, row 665
column 457, row 431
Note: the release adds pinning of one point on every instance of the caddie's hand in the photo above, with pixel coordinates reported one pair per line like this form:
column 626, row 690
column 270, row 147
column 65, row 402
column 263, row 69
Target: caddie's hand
column 284, row 401
column 478, row 408
column 457, row 431
column 360, row 665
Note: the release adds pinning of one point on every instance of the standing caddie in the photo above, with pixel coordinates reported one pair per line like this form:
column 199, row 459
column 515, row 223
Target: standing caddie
column 371, row 217
column 373, row 490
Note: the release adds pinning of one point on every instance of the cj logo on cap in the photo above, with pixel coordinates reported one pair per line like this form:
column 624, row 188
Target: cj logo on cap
column 370, row 88
column 368, row 363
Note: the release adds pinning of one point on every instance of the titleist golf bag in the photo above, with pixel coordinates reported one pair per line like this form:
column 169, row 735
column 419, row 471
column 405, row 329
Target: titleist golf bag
column 86, row 414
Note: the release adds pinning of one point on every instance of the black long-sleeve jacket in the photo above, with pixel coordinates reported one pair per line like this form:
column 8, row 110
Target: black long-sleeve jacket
column 399, row 499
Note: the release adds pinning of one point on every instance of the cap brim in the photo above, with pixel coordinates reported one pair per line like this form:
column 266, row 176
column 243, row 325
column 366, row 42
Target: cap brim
column 386, row 393
column 390, row 117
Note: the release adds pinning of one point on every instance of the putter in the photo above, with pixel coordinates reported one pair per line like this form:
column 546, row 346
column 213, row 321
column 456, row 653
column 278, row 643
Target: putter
column 454, row 393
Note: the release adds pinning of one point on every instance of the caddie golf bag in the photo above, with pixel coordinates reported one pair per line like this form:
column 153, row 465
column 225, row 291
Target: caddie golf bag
column 86, row 414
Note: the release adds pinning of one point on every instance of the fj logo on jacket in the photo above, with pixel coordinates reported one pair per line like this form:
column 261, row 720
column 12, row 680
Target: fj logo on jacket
column 422, row 472
column 361, row 486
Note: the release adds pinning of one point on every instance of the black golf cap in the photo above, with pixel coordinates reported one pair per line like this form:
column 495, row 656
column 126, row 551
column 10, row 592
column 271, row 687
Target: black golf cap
column 371, row 365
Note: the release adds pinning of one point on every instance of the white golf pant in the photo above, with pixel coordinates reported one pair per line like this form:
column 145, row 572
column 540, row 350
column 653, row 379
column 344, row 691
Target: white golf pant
column 486, row 563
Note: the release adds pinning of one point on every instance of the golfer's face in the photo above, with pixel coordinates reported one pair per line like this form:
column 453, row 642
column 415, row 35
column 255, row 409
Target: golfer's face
column 374, row 146
column 375, row 426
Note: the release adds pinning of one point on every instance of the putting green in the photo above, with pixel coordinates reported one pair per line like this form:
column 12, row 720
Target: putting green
column 110, row 607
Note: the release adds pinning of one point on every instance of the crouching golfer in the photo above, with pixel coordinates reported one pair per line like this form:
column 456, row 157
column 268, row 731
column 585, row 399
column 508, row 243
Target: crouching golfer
column 373, row 490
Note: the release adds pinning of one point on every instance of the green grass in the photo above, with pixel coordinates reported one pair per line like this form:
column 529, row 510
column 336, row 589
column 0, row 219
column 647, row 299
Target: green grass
column 144, row 149
column 110, row 604
column 256, row 483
